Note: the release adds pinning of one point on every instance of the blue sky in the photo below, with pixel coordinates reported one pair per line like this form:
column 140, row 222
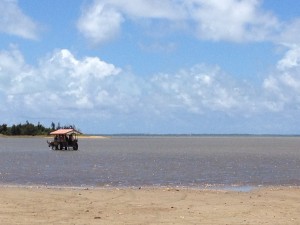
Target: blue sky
column 152, row 66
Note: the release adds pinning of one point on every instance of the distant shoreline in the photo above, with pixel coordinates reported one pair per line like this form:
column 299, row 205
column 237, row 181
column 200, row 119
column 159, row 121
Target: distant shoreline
column 92, row 137
column 48, row 136
column 103, row 136
column 200, row 135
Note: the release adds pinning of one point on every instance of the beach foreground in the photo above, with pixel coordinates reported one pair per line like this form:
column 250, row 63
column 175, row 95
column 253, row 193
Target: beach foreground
column 25, row 205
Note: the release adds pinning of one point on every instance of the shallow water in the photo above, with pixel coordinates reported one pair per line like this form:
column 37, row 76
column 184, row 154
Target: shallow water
column 153, row 161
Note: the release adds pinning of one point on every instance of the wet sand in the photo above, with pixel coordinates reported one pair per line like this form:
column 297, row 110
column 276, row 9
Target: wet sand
column 33, row 205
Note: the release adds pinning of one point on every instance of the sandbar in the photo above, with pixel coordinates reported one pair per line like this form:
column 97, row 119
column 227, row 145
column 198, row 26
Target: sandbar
column 136, row 206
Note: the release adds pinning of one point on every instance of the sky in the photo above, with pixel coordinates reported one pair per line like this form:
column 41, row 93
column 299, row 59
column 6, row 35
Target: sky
column 152, row 66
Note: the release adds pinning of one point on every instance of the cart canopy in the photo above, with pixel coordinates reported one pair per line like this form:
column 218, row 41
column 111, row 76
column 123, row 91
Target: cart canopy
column 65, row 131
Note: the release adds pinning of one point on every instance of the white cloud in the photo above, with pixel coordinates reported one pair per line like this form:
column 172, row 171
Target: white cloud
column 59, row 82
column 77, row 81
column 291, row 59
column 63, row 83
column 155, row 9
column 13, row 21
column 11, row 64
column 198, row 90
column 65, row 86
column 289, row 35
column 100, row 22
column 283, row 86
column 230, row 20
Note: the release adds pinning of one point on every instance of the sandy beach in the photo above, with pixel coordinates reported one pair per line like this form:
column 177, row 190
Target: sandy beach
column 34, row 205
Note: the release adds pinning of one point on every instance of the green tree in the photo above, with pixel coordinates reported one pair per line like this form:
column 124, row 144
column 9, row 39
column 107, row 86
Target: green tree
column 28, row 129
column 3, row 129
column 15, row 130
column 52, row 126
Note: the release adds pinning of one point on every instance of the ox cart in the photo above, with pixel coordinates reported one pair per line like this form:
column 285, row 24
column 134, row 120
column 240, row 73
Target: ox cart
column 64, row 139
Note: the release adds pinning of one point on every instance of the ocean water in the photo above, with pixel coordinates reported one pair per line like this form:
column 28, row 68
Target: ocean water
column 153, row 161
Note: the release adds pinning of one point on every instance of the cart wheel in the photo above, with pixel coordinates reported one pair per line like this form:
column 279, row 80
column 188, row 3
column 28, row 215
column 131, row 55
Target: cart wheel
column 75, row 146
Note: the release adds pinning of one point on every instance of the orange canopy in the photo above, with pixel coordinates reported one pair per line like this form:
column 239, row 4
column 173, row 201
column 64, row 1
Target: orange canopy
column 65, row 131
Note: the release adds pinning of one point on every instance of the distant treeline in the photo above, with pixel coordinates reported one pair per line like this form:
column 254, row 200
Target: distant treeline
column 30, row 129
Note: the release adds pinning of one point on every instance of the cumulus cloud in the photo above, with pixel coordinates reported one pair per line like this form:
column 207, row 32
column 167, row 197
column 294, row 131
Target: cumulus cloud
column 100, row 22
column 230, row 20
column 60, row 82
column 291, row 59
column 283, row 86
column 198, row 90
column 66, row 86
column 13, row 21
column 11, row 64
